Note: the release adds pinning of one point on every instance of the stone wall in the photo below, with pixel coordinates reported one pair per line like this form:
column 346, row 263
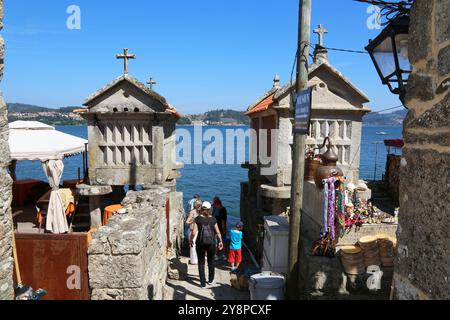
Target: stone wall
column 423, row 263
column 128, row 258
column 6, row 261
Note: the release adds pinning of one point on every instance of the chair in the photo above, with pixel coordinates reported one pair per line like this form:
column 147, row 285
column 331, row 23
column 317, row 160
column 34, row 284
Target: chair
column 42, row 214
column 14, row 216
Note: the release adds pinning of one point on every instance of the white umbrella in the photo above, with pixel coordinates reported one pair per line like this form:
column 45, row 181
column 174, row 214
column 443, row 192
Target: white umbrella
column 32, row 140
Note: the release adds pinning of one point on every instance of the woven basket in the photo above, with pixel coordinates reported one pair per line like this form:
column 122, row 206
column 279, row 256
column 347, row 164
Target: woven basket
column 386, row 246
column 369, row 245
column 352, row 260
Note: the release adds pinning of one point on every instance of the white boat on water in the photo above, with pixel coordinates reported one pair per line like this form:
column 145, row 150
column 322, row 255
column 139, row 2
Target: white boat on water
column 382, row 133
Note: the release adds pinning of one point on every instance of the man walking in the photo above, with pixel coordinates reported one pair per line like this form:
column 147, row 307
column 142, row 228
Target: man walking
column 221, row 215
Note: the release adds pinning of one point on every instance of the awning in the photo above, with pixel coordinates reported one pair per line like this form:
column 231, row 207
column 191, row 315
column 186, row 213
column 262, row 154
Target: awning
column 33, row 140
column 396, row 143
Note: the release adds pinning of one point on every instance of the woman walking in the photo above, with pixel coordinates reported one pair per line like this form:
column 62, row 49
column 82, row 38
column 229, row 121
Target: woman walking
column 191, row 222
column 205, row 229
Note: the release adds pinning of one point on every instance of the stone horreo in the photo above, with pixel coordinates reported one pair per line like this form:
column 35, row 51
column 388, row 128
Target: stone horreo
column 131, row 132
column 338, row 107
column 131, row 135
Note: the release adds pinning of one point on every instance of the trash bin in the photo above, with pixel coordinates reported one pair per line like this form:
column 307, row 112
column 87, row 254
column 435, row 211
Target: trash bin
column 267, row 286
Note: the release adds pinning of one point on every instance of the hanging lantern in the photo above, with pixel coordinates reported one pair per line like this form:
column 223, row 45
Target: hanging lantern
column 389, row 53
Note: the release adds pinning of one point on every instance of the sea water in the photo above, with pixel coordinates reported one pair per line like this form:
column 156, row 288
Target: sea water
column 224, row 180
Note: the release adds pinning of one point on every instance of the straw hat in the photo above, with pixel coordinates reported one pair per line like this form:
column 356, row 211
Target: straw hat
column 367, row 240
column 351, row 249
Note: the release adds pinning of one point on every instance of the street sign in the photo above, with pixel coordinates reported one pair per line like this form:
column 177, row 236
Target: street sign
column 303, row 105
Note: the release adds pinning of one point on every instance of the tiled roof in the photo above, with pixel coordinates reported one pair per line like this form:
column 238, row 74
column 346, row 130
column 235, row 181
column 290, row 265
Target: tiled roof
column 262, row 105
column 126, row 77
column 273, row 95
column 171, row 109
column 315, row 66
column 130, row 79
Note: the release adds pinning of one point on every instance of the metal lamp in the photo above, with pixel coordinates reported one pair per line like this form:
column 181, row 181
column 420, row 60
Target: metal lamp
column 389, row 53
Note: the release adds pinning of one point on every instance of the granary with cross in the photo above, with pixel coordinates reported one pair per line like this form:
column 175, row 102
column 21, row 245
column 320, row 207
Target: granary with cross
column 131, row 132
column 338, row 107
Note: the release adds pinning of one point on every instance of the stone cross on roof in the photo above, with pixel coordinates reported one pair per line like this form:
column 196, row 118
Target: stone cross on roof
column 321, row 32
column 151, row 82
column 125, row 56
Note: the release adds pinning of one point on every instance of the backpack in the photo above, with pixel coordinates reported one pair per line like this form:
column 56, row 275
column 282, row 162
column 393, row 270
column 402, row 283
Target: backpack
column 206, row 236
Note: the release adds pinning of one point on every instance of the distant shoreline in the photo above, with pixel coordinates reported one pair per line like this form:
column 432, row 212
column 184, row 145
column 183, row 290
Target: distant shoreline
column 383, row 125
column 218, row 125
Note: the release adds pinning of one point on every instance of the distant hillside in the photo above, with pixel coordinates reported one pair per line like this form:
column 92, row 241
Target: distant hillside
column 217, row 117
column 385, row 119
column 29, row 108
column 55, row 117
column 226, row 116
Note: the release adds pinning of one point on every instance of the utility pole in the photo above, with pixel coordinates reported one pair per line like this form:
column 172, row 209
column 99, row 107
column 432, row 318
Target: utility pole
column 298, row 161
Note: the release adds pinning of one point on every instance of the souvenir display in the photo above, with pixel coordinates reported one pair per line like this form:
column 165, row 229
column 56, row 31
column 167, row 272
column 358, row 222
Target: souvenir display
column 324, row 247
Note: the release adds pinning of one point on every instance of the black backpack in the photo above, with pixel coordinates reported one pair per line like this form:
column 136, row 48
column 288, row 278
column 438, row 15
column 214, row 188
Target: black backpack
column 206, row 236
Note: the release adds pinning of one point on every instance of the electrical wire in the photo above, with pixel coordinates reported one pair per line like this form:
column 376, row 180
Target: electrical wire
column 346, row 50
column 339, row 49
column 293, row 66
column 387, row 109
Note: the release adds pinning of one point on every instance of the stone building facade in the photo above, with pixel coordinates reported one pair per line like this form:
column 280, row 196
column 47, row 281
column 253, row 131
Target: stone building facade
column 338, row 107
column 422, row 268
column 6, row 261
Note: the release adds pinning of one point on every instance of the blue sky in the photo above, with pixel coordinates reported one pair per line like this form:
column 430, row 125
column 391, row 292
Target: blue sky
column 203, row 53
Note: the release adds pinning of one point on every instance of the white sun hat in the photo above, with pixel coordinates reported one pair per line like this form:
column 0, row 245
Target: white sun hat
column 206, row 205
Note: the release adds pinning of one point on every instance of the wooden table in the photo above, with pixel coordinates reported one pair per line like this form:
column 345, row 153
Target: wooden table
column 21, row 190
column 72, row 183
column 109, row 212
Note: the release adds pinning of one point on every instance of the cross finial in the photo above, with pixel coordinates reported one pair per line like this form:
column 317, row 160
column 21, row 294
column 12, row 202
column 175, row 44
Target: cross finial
column 151, row 82
column 321, row 32
column 125, row 56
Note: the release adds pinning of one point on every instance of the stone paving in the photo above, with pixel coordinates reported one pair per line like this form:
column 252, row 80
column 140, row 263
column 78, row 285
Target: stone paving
column 190, row 289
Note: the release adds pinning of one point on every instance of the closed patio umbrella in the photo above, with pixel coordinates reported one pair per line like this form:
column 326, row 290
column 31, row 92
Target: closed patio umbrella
column 56, row 217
